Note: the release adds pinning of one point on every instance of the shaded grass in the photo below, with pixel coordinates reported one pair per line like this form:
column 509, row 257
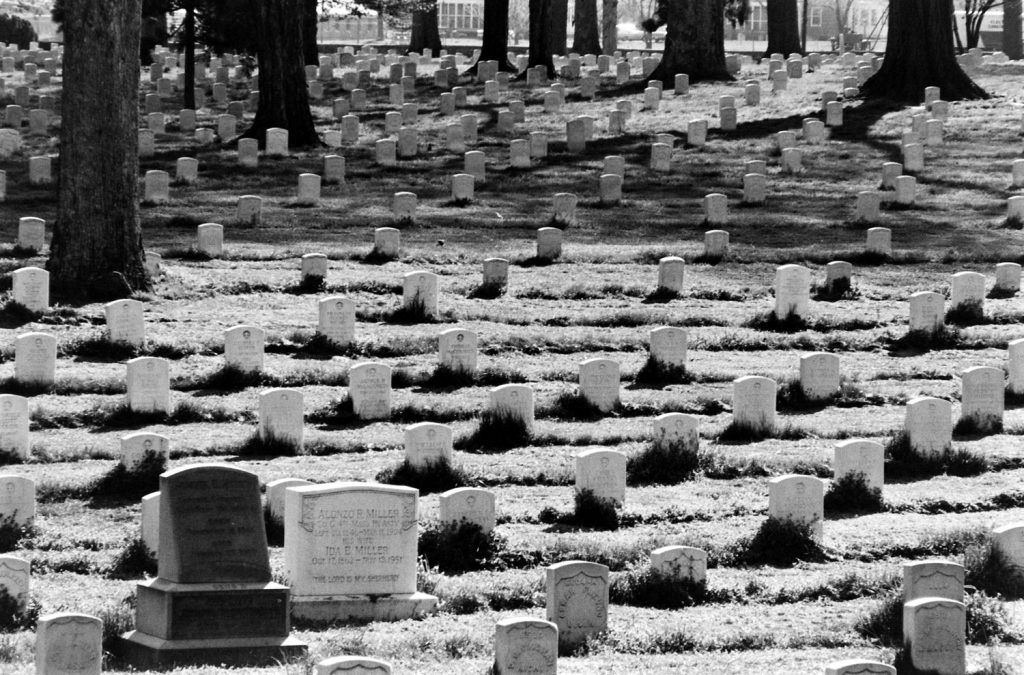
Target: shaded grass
column 124, row 485
column 903, row 461
column 667, row 464
column 779, row 543
column 642, row 586
column 966, row 314
column 132, row 561
column 497, row 430
column 851, row 494
column 839, row 289
column 435, row 476
column 458, row 547
column 657, row 372
column 267, row 445
column 589, row 512
column 974, row 427
column 12, row 534
column 743, row 432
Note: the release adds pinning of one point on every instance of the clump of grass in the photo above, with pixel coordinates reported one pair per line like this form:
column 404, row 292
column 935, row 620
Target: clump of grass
column 446, row 377
column 498, row 429
column 998, row 293
column 884, row 623
column 780, row 543
column 459, row 547
column 589, row 512
column 117, row 620
column 966, row 314
column 987, row 569
column 977, row 427
column 190, row 253
column 921, row 341
column 99, row 347
column 488, row 291
column 987, row 620
column 339, row 412
column 130, row 484
column 841, row 288
column 274, row 527
column 904, row 461
column 769, row 321
column 664, row 464
column 311, row 283
column 439, row 475
column 412, row 312
column 267, row 445
column 640, row 585
column 14, row 314
column 226, row 378
column 1013, row 223
column 319, row 344
column 134, row 560
column 852, row 494
column 745, row 432
column 573, row 406
column 378, row 257
column 661, row 294
column 14, row 617
column 657, row 372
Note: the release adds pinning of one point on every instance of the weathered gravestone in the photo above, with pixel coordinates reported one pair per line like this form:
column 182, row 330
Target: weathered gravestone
column 968, row 289
column 798, row 499
column 677, row 430
column 858, row 667
column 142, row 446
column 927, row 312
column 681, row 563
column 125, row 323
column 350, row 552
column 386, row 242
column 599, row 383
column 149, row 528
column 982, row 397
column 671, row 274
column 668, row 346
column 473, row 505
column 31, row 288
column 352, row 665
column 427, row 443
column 210, row 239
column 525, row 646
column 819, row 375
column 495, row 273
column 419, row 293
column 213, row 601
column 281, row 417
column 933, row 579
column 514, row 400
column 860, row 457
column 243, row 348
column 14, row 423
column 457, row 350
column 148, row 385
column 31, row 234
column 14, row 580
column 35, row 359
column 369, row 387
column 337, row 320
column 934, row 635
column 753, row 403
column 577, row 600
column 929, row 425
column 1008, row 540
column 1008, row 277
column 603, row 473
column 17, row 498
column 313, row 268
column 792, row 291
column 69, row 644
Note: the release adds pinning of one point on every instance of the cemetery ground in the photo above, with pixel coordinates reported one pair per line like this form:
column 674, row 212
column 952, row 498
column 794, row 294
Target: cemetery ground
column 597, row 300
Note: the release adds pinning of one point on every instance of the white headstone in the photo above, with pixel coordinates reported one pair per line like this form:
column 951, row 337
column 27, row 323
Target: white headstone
column 69, row 644
column 819, row 375
column 599, row 383
column 125, row 323
column 243, row 348
column 369, row 386
column 31, row 288
column 525, row 646
column 864, row 457
column 982, row 396
column 135, row 448
column 798, row 499
column 35, row 359
column 753, row 402
column 792, row 291
column 17, row 493
column 927, row 311
column 934, row 635
column 148, row 385
column 929, row 425
column 577, row 600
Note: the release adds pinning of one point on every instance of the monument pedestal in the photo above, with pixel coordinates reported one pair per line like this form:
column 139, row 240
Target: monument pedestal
column 181, row 624
column 385, row 607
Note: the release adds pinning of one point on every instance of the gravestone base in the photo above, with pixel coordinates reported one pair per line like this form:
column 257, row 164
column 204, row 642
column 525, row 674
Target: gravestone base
column 146, row 652
column 393, row 607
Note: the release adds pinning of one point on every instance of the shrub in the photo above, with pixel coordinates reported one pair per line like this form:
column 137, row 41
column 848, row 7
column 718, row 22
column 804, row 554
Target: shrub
column 133, row 561
column 987, row 569
column 661, row 294
column 744, row 432
column 839, row 289
column 903, row 461
column 884, row 623
column 642, row 586
column 117, row 619
column 488, row 291
column 412, row 312
column 446, row 377
column 267, row 445
column 966, row 314
column 311, row 283
column 664, row 464
column 436, row 476
column 987, row 620
column 656, row 371
column 13, row 617
column 573, row 406
column 130, row 485
column 498, row 429
column 274, row 528
column 458, row 547
column 852, row 494
column 589, row 511
column 768, row 321
column 14, row 29
column 780, row 543
column 976, row 427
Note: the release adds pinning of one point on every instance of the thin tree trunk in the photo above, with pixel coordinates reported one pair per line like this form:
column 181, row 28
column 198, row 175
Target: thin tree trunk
column 540, row 40
column 97, row 240
column 783, row 28
column 918, row 54
column 694, row 42
column 380, row 24
column 803, row 26
column 189, row 47
column 495, row 41
column 609, row 31
column 1012, row 29
column 585, row 37
column 284, row 97
column 310, row 24
column 558, row 34
column 425, row 33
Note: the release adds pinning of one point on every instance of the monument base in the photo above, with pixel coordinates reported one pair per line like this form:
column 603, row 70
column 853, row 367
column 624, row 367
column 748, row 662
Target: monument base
column 146, row 652
column 330, row 608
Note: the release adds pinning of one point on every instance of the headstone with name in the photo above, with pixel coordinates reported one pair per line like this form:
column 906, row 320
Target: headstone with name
column 514, row 400
column 387, row 242
column 350, row 552
column 968, row 289
column 668, row 346
column 525, row 646
column 243, row 348
column 798, row 499
column 753, row 402
column 35, row 359
column 210, row 239
column 863, row 457
column 792, row 291
column 14, row 579
column 819, row 375
column 677, row 430
column 213, row 601
column 473, row 505
column 281, row 417
column 369, row 386
column 982, row 397
column 337, row 320
column 681, row 563
column 17, row 493
column 599, row 383
column 603, row 472
column 934, row 632
column 420, row 289
column 31, row 288
column 135, row 448
column 929, row 425
column 149, row 388
column 577, row 600
column 125, row 323
column 457, row 350
column 69, row 644
column 927, row 312
column 427, row 443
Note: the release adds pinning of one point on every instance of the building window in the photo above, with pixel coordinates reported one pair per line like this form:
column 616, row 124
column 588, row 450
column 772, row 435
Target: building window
column 758, row 19
column 816, row 15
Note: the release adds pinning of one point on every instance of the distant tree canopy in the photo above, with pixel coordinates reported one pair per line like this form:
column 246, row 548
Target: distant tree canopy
column 15, row 30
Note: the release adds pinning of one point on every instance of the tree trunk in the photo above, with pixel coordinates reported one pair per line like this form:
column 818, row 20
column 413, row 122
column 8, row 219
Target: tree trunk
column 694, row 42
column 380, row 24
column 783, row 28
column 919, row 53
column 1012, row 30
column 284, row 97
column 495, row 40
column 189, row 48
column 609, row 21
column 540, row 36
column 425, row 33
column 558, row 34
column 585, row 34
column 97, row 240
column 310, row 23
